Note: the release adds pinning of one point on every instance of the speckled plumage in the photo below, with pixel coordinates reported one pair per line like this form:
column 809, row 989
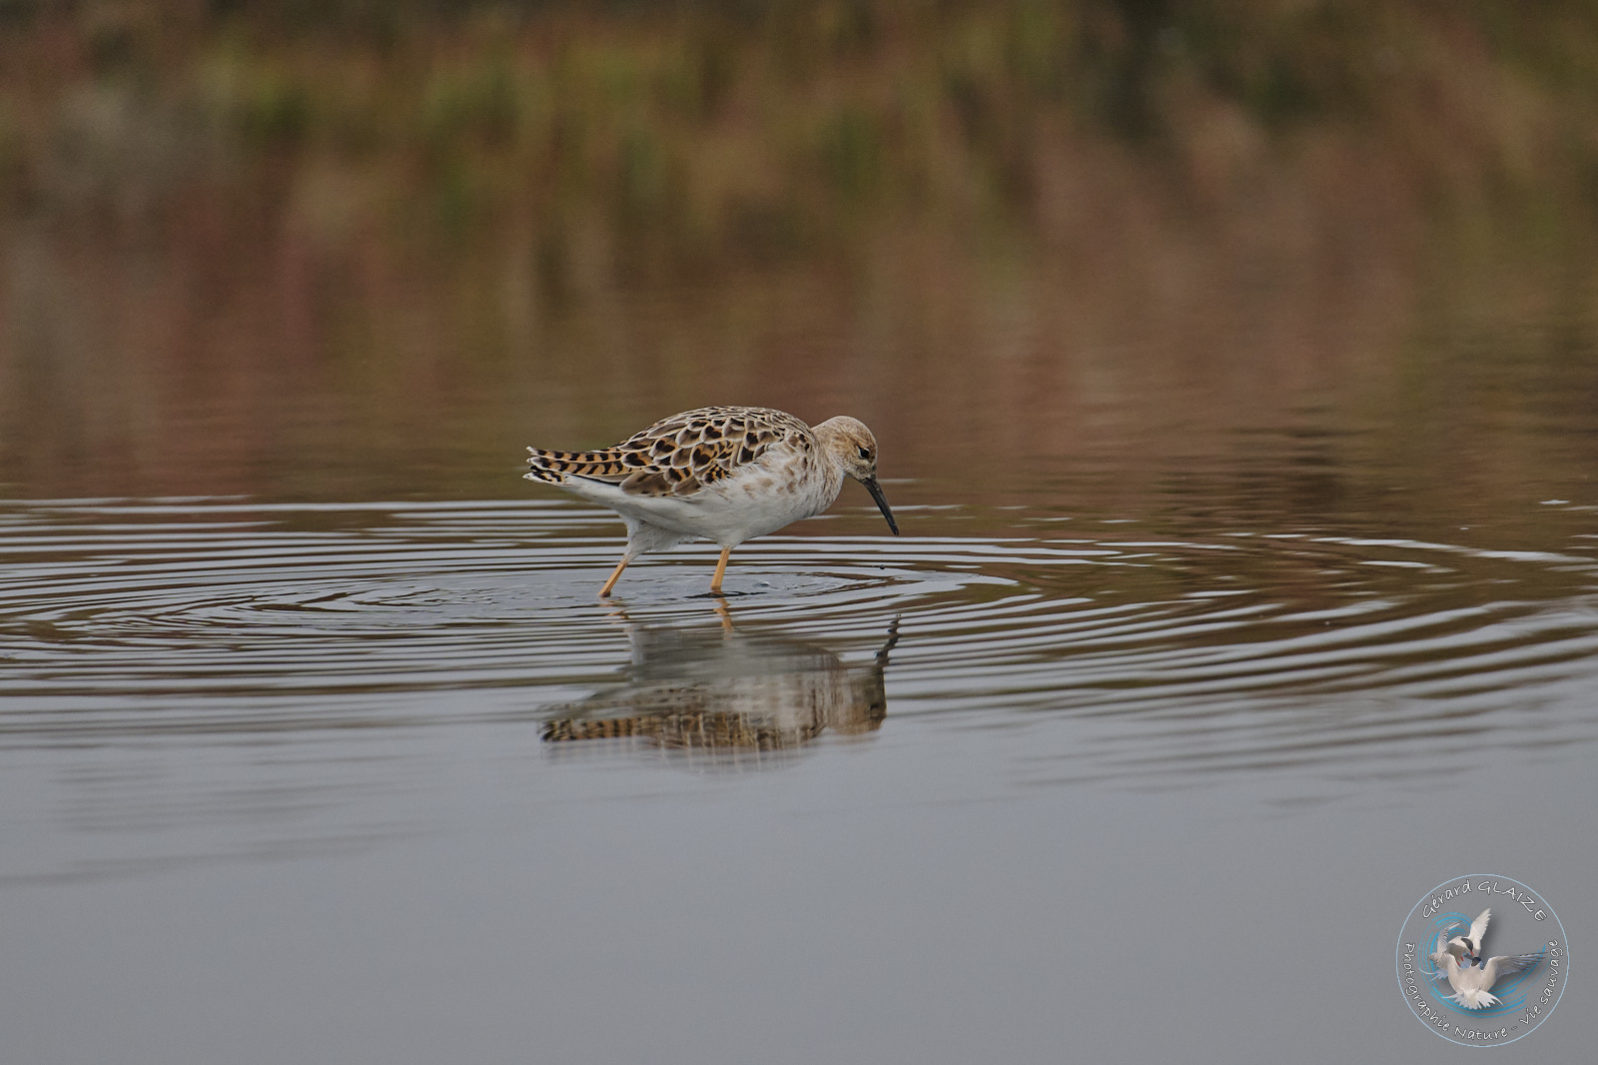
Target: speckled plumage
column 681, row 454
column 727, row 474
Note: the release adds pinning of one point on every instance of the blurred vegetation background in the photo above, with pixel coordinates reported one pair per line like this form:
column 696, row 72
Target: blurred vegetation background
column 273, row 248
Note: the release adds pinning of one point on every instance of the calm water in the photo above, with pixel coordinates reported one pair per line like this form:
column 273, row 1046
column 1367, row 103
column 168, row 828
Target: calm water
column 1236, row 608
column 384, row 782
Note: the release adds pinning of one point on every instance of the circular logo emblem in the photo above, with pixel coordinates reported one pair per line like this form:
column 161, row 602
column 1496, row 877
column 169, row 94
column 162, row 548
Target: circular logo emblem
column 1482, row 960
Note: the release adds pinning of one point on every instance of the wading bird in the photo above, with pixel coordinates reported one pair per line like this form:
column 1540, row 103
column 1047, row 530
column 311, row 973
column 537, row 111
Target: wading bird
column 726, row 474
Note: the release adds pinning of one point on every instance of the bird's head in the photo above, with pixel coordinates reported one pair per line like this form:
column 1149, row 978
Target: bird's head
column 850, row 445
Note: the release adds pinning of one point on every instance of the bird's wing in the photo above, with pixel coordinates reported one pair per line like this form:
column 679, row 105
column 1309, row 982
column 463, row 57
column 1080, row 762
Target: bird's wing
column 1507, row 965
column 677, row 455
column 1478, row 927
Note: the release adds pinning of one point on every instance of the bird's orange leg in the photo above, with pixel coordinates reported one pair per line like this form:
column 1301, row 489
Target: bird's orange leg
column 615, row 575
column 721, row 571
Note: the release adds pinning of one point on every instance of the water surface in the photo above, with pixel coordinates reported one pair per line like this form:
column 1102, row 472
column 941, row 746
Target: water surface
column 393, row 768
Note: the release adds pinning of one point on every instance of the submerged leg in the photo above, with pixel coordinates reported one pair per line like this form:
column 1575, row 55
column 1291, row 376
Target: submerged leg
column 615, row 574
column 721, row 571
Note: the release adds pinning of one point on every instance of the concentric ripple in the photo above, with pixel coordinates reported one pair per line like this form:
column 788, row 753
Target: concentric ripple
column 1147, row 660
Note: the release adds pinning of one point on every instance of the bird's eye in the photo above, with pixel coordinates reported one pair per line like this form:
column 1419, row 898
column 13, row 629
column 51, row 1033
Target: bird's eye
column 864, row 453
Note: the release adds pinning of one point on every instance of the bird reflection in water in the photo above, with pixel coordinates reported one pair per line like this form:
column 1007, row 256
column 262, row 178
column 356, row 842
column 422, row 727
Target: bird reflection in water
column 729, row 693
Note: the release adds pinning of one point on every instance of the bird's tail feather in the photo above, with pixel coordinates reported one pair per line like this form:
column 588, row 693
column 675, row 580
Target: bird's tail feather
column 553, row 467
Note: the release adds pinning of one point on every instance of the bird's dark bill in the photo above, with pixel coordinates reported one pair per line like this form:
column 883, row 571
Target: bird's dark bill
column 882, row 503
